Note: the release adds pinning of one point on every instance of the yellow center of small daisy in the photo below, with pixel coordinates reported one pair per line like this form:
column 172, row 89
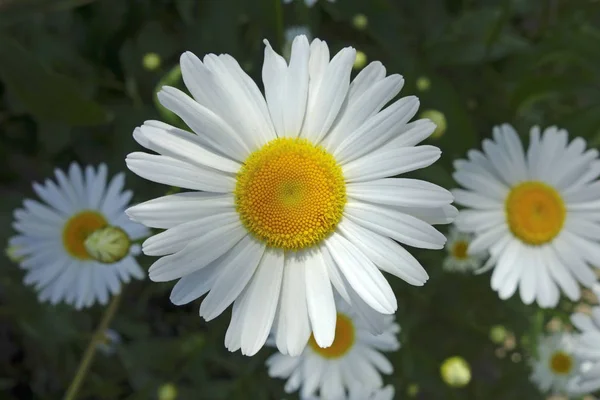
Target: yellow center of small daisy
column 459, row 249
column 535, row 212
column 77, row 229
column 344, row 339
column 290, row 193
column 561, row 363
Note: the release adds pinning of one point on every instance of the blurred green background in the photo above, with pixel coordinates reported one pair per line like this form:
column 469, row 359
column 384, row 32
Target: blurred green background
column 73, row 85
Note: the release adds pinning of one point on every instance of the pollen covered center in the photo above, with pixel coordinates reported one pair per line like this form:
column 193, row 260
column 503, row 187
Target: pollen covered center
column 344, row 339
column 535, row 212
column 290, row 193
column 77, row 229
column 459, row 249
column 561, row 363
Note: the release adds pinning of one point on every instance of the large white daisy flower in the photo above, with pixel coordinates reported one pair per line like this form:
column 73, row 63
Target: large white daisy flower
column 555, row 363
column 458, row 259
column 352, row 363
column 77, row 247
column 535, row 212
column 291, row 194
column 587, row 347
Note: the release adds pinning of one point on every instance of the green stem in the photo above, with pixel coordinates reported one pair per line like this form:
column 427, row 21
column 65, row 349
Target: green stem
column 90, row 351
column 279, row 23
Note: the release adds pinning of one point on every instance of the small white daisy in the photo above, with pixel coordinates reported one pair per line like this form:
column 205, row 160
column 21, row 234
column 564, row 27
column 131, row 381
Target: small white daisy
column 535, row 212
column 309, row 3
column 555, row 363
column 109, row 342
column 354, row 360
column 587, row 348
column 458, row 260
column 77, row 247
column 291, row 193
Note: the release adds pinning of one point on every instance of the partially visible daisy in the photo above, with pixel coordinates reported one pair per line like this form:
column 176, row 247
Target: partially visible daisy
column 293, row 193
column 535, row 212
column 309, row 3
column 358, row 392
column 555, row 363
column 587, row 347
column 458, row 260
column 109, row 342
column 353, row 361
column 76, row 246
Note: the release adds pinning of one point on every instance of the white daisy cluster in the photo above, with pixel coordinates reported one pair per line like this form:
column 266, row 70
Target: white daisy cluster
column 77, row 246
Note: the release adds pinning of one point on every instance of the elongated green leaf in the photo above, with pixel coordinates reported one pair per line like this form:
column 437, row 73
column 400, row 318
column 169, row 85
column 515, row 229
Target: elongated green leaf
column 45, row 94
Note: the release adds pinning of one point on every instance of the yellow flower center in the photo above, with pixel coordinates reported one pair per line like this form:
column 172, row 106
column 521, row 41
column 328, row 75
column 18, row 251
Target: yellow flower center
column 344, row 339
column 290, row 193
column 535, row 212
column 77, row 229
column 561, row 363
column 459, row 249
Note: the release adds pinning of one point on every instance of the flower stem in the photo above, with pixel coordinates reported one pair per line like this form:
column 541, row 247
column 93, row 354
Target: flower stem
column 90, row 351
column 279, row 24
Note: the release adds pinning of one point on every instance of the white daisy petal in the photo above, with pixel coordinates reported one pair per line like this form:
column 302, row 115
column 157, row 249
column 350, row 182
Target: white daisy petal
column 400, row 192
column 397, row 225
column 360, row 121
column 263, row 294
column 389, row 162
column 319, row 300
column 293, row 326
column 196, row 284
column 326, row 95
column 197, row 254
column 173, row 172
column 182, row 145
column 286, row 87
column 172, row 210
column 204, row 122
column 235, row 271
column 362, row 275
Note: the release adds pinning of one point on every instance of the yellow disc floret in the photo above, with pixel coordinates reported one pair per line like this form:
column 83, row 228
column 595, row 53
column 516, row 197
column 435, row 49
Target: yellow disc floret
column 459, row 249
column 535, row 212
column 290, row 193
column 77, row 229
column 561, row 363
column 344, row 339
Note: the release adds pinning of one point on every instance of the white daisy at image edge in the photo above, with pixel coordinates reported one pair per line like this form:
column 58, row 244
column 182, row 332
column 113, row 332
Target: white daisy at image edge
column 290, row 195
column 309, row 3
column 52, row 237
column 353, row 363
column 458, row 259
column 555, row 364
column 587, row 347
column 536, row 212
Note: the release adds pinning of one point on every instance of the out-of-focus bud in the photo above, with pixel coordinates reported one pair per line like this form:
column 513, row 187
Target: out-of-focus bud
column 167, row 391
column 439, row 119
column 361, row 60
column 423, row 83
column 360, row 21
column 151, row 61
column 456, row 371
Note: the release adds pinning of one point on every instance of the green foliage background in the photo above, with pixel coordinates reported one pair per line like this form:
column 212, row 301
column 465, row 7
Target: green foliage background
column 73, row 87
